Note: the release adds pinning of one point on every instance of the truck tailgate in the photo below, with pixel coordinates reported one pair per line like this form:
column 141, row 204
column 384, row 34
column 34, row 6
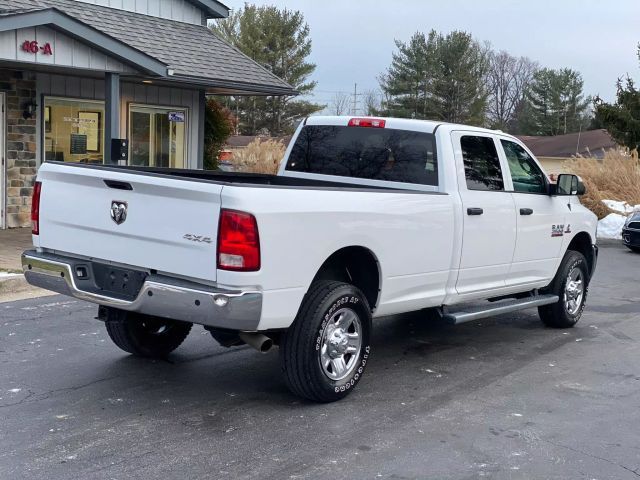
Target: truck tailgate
column 170, row 226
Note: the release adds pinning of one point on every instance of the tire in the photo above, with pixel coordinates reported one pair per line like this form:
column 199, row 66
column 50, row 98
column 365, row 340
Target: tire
column 567, row 311
column 634, row 249
column 315, row 351
column 144, row 335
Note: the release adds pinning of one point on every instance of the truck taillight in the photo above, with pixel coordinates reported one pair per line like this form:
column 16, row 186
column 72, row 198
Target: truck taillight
column 367, row 122
column 238, row 242
column 35, row 208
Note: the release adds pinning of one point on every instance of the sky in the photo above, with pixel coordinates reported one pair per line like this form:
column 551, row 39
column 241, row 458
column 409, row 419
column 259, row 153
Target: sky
column 353, row 40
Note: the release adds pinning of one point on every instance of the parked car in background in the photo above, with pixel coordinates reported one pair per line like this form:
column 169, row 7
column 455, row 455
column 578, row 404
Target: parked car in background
column 367, row 217
column 631, row 232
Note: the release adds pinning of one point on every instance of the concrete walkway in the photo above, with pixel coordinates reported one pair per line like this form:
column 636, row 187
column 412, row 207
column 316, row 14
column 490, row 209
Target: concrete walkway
column 12, row 243
column 14, row 286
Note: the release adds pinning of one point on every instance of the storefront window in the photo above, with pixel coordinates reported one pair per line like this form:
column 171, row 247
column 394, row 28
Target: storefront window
column 73, row 130
column 157, row 136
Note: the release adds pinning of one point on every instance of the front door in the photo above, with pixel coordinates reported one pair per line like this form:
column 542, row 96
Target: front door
column 489, row 214
column 540, row 218
column 157, row 136
column 3, row 162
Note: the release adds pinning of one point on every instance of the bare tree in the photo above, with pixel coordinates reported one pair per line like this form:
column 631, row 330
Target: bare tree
column 372, row 100
column 507, row 81
column 340, row 103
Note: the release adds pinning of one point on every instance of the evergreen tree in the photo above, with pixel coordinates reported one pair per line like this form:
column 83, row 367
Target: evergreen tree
column 437, row 77
column 278, row 40
column 622, row 119
column 554, row 104
column 219, row 124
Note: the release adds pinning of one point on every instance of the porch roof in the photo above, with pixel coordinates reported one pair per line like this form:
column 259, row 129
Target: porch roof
column 165, row 49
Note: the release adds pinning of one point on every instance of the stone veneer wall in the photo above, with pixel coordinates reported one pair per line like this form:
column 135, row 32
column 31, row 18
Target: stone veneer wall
column 20, row 87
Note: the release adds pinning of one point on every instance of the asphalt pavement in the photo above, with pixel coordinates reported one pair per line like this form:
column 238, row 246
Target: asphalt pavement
column 501, row 398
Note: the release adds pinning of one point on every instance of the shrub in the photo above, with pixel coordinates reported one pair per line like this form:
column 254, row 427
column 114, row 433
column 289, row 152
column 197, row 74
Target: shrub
column 219, row 124
column 260, row 156
column 615, row 177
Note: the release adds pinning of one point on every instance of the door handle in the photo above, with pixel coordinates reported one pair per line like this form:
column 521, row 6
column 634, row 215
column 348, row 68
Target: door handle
column 474, row 211
column 526, row 211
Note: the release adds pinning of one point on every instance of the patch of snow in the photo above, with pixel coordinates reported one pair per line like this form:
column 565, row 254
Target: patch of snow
column 516, row 414
column 611, row 226
column 620, row 207
column 15, row 390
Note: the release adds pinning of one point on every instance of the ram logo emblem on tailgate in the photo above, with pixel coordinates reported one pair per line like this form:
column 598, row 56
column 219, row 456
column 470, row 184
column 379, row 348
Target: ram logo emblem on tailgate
column 118, row 211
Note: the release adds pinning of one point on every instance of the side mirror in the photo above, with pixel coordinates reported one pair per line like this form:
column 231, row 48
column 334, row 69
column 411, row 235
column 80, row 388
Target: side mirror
column 569, row 185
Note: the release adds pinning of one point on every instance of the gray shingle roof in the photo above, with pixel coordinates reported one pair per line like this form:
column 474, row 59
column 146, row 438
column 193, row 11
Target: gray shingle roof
column 191, row 51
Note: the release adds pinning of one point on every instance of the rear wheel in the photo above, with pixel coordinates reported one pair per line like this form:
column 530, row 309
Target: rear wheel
column 326, row 349
column 144, row 335
column 570, row 284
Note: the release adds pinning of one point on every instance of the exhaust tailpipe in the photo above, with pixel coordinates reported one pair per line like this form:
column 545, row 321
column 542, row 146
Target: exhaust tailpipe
column 260, row 342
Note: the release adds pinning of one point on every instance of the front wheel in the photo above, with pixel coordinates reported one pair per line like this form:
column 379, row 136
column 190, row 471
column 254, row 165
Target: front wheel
column 570, row 284
column 326, row 349
column 144, row 335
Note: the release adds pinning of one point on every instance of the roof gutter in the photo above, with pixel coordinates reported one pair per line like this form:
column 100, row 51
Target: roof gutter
column 246, row 88
column 212, row 8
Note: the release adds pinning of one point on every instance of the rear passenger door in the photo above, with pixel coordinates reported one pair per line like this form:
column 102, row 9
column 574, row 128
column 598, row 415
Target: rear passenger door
column 489, row 225
column 540, row 217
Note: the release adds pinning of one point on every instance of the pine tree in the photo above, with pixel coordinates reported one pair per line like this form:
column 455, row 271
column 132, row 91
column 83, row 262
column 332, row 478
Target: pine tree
column 437, row 77
column 622, row 119
column 554, row 103
column 278, row 40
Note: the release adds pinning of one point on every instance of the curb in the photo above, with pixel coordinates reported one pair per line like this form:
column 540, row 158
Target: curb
column 13, row 284
column 15, row 287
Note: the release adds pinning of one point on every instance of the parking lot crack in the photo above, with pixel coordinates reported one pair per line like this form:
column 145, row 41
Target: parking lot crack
column 596, row 457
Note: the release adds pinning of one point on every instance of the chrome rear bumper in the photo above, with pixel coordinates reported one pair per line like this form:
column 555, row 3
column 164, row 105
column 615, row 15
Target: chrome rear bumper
column 159, row 295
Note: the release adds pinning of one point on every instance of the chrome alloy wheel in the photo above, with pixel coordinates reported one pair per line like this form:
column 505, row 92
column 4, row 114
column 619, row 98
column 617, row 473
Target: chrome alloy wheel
column 341, row 344
column 574, row 291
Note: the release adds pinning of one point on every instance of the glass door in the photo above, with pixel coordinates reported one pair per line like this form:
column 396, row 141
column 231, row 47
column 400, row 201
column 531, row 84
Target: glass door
column 157, row 136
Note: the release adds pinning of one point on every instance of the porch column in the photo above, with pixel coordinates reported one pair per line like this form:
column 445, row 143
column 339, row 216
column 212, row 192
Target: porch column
column 202, row 114
column 112, row 114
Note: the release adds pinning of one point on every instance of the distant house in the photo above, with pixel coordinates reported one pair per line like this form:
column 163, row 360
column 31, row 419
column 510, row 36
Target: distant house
column 553, row 151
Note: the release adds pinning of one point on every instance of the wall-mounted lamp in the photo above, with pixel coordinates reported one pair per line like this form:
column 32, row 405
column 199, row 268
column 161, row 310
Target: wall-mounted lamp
column 29, row 109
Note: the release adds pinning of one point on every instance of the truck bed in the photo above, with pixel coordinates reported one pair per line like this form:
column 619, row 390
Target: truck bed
column 227, row 178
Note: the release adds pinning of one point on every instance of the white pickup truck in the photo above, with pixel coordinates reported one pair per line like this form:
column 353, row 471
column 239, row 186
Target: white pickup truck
column 367, row 217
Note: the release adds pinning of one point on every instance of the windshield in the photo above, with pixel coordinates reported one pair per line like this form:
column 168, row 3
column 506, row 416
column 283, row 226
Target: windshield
column 371, row 153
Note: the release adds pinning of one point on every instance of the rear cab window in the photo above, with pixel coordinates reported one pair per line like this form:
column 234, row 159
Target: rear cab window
column 367, row 153
column 481, row 163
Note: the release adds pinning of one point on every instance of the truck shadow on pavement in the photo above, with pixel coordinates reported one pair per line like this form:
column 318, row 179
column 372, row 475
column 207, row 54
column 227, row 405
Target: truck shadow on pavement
column 411, row 356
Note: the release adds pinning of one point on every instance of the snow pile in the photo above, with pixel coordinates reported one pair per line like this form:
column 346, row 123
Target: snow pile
column 620, row 207
column 611, row 226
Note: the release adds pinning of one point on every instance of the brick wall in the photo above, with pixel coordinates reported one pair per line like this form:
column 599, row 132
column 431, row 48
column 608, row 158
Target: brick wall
column 20, row 87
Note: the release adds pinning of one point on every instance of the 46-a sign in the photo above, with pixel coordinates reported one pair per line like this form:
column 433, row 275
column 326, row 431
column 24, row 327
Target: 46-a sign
column 32, row 46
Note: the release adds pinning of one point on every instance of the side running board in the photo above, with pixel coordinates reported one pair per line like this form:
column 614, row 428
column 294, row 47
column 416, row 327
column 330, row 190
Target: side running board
column 468, row 314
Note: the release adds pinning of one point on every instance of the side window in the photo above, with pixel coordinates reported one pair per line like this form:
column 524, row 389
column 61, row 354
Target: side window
column 525, row 173
column 481, row 163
